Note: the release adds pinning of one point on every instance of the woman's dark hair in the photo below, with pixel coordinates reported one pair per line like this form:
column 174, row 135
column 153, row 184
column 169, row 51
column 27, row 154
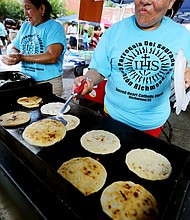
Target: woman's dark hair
column 176, row 6
column 38, row 3
column 96, row 28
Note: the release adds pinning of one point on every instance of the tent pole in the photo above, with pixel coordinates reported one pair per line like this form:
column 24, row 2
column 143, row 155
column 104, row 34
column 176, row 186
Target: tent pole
column 120, row 7
column 78, row 35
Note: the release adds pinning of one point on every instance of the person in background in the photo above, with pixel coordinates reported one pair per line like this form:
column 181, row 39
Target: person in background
column 3, row 34
column 12, row 35
column 137, row 56
column 86, row 26
column 95, row 37
column 72, row 31
column 85, row 39
column 100, row 32
column 40, row 45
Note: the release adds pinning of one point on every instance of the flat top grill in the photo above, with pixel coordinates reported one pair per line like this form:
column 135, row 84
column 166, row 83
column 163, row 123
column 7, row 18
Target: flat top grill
column 45, row 161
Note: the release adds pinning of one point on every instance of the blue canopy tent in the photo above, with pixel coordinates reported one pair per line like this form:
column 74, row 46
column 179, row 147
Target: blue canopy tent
column 69, row 18
column 185, row 6
column 74, row 17
column 183, row 14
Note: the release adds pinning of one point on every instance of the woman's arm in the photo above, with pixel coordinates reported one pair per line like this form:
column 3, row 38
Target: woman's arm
column 51, row 56
column 8, row 60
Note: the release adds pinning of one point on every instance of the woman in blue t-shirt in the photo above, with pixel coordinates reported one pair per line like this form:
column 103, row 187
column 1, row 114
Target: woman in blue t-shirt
column 40, row 45
column 85, row 39
column 137, row 56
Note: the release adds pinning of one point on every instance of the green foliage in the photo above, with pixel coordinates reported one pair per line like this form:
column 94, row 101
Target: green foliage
column 90, row 29
column 109, row 3
column 58, row 8
column 11, row 9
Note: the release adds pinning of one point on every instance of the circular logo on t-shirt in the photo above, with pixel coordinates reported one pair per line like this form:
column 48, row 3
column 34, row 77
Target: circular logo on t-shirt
column 145, row 65
column 32, row 44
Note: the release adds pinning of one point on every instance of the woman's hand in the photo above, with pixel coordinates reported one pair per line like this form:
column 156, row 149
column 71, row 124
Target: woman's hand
column 12, row 59
column 187, row 76
column 92, row 78
column 88, row 86
column 6, row 59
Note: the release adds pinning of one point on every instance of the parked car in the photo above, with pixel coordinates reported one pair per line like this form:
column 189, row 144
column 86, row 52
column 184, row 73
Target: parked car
column 11, row 24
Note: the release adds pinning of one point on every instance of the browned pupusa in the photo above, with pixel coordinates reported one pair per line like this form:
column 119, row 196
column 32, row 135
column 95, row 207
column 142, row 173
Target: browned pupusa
column 125, row 200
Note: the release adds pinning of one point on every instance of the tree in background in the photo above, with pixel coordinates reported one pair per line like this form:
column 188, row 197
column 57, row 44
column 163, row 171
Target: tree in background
column 109, row 3
column 58, row 8
column 13, row 9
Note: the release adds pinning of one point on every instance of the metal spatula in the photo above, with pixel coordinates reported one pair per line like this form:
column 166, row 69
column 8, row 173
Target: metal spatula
column 75, row 93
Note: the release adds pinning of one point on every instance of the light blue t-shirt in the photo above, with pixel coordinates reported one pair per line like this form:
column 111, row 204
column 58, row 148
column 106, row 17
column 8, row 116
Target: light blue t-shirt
column 139, row 66
column 35, row 40
column 85, row 37
column 2, row 27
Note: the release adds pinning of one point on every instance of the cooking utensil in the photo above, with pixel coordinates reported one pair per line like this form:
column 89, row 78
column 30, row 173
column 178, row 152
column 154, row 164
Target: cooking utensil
column 75, row 93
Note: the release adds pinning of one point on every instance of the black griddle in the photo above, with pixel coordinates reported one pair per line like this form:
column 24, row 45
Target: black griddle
column 171, row 194
column 14, row 79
